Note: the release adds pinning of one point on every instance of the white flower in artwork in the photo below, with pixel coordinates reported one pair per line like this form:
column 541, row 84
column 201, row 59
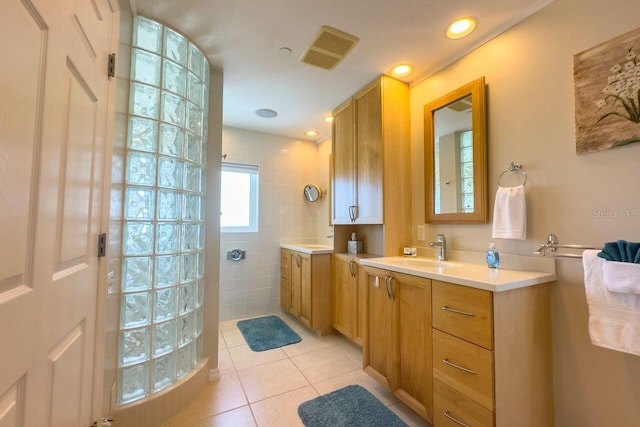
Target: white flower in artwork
column 622, row 92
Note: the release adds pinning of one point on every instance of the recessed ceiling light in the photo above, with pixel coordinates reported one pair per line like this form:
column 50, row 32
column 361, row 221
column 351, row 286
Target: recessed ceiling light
column 461, row 27
column 328, row 119
column 311, row 133
column 402, row 70
column 266, row 113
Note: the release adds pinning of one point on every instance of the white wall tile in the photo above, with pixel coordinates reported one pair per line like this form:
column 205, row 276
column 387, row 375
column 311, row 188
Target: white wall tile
column 252, row 286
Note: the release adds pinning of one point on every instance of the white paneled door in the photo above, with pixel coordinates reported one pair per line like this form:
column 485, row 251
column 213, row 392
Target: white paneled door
column 54, row 124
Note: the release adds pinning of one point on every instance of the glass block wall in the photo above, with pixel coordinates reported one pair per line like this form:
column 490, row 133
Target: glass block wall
column 161, row 322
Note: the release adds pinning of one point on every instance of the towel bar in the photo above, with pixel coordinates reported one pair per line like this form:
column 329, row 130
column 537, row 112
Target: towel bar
column 515, row 168
column 552, row 246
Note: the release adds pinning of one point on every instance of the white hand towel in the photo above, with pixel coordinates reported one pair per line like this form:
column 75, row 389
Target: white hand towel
column 510, row 214
column 614, row 318
column 622, row 277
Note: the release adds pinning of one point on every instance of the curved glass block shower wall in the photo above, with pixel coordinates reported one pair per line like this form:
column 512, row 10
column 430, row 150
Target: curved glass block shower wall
column 161, row 317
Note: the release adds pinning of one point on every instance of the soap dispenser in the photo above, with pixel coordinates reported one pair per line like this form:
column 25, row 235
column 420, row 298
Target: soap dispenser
column 493, row 258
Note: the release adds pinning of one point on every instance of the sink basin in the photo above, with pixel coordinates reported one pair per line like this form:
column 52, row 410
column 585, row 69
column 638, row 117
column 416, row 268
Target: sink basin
column 310, row 248
column 421, row 263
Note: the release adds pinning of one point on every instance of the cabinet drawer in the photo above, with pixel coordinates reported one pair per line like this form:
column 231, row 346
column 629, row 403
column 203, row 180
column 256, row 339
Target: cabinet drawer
column 453, row 409
column 464, row 312
column 466, row 367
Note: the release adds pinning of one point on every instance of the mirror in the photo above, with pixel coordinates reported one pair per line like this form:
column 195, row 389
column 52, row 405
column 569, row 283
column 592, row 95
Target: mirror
column 455, row 148
column 312, row 192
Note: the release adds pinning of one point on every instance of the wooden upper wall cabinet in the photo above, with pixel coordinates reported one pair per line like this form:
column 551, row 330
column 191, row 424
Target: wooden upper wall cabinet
column 372, row 161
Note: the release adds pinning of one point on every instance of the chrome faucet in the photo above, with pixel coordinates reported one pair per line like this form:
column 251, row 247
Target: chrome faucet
column 441, row 244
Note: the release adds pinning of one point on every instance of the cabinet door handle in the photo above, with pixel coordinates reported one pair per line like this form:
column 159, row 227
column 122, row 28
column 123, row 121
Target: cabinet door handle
column 352, row 270
column 453, row 310
column 386, row 286
column 446, row 414
column 389, row 286
column 446, row 361
column 353, row 213
column 376, row 282
column 297, row 257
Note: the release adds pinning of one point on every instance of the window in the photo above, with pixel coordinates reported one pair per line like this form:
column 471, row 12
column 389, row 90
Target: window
column 239, row 198
column 466, row 171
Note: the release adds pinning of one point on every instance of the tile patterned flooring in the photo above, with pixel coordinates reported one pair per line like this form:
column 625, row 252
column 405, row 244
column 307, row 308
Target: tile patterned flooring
column 264, row 389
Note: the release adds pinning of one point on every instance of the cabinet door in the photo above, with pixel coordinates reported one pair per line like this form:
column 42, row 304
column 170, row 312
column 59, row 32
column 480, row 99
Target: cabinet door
column 344, row 296
column 344, row 163
column 380, row 345
column 305, row 289
column 296, row 284
column 369, row 154
column 415, row 343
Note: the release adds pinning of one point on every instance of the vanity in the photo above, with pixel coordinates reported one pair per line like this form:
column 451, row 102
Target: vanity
column 459, row 343
column 305, row 278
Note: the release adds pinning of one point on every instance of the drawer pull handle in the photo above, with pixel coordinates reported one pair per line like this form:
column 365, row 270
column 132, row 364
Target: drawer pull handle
column 446, row 361
column 446, row 414
column 466, row 313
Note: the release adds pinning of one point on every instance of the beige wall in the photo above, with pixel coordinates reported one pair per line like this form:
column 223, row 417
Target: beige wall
column 529, row 79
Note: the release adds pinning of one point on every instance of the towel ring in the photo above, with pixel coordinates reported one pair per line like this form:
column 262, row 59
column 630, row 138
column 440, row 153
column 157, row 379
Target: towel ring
column 515, row 168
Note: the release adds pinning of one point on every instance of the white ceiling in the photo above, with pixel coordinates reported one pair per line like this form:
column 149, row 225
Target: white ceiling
column 244, row 37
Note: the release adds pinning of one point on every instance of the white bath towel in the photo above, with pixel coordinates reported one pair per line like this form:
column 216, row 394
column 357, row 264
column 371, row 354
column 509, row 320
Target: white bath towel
column 510, row 214
column 614, row 318
column 622, row 277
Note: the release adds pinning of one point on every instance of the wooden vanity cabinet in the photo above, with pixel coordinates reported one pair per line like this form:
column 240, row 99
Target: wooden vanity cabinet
column 305, row 288
column 397, row 350
column 348, row 297
column 491, row 356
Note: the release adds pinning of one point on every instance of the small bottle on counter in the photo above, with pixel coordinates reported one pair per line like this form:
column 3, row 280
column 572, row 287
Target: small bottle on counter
column 493, row 257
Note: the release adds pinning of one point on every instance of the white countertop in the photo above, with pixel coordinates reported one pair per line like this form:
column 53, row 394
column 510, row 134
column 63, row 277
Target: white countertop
column 461, row 273
column 308, row 248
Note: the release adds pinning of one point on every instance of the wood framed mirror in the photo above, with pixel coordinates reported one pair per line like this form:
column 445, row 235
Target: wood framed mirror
column 455, row 146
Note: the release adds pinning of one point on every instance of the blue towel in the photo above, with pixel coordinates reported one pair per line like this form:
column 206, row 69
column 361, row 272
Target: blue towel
column 621, row 251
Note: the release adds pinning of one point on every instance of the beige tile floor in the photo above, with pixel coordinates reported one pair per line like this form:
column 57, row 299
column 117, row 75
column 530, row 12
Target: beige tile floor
column 265, row 389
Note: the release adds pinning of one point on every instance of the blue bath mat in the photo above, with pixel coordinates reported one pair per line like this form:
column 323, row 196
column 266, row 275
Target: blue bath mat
column 265, row 333
column 352, row 406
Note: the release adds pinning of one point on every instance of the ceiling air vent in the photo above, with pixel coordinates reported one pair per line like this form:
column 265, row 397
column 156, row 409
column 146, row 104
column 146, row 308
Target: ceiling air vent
column 328, row 48
column 460, row 105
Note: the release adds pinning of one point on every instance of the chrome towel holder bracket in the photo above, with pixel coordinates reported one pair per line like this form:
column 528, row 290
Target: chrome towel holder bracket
column 515, row 168
column 551, row 247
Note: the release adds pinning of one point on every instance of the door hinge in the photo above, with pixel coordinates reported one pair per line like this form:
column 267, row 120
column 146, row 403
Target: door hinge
column 102, row 245
column 111, row 67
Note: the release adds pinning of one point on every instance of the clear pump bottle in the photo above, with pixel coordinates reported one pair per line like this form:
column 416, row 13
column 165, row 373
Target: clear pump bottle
column 493, row 257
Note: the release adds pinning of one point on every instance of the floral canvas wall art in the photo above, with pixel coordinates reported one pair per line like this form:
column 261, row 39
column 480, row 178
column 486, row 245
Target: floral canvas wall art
column 607, row 94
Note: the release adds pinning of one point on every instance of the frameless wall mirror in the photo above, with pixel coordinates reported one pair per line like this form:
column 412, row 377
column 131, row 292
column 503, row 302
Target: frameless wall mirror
column 456, row 156
column 312, row 192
